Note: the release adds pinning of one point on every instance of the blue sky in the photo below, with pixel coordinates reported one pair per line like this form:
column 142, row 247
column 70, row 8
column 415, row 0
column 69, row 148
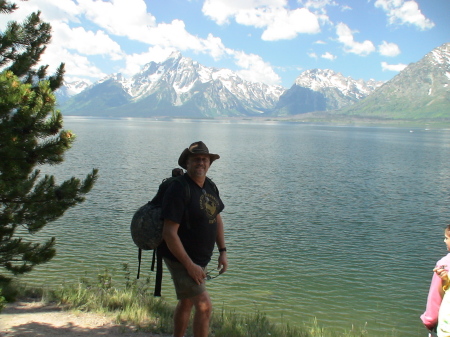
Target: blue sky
column 270, row 41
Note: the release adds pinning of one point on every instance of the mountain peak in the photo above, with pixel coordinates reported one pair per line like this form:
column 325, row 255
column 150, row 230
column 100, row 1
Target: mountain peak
column 175, row 56
column 321, row 79
column 318, row 78
column 440, row 55
column 322, row 90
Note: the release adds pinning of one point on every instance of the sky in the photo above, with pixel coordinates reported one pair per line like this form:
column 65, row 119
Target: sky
column 269, row 41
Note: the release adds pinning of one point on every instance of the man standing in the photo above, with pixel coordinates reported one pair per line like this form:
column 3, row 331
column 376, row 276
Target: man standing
column 191, row 229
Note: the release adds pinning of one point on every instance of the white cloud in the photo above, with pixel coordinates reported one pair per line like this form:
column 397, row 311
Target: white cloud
column 313, row 55
column 125, row 18
column 57, row 10
column 59, row 13
column 288, row 24
column 76, row 65
column 173, row 34
column 389, row 49
column 345, row 36
column 328, row 56
column 120, row 17
column 318, row 7
column 221, row 11
column 272, row 15
column 255, row 69
column 404, row 12
column 129, row 18
column 134, row 62
column 52, row 10
column 86, row 42
column 318, row 4
column 214, row 46
column 393, row 67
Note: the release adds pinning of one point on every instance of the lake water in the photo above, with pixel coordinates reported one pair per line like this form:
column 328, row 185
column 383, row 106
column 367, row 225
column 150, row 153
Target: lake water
column 342, row 224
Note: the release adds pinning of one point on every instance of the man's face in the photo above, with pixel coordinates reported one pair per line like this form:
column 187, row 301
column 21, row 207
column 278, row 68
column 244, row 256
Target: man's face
column 197, row 165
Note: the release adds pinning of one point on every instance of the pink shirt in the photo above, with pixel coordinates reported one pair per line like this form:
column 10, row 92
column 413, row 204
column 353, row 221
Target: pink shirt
column 430, row 316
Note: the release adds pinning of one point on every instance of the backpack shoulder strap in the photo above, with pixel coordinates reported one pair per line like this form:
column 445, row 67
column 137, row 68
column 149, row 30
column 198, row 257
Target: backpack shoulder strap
column 187, row 190
column 187, row 194
column 213, row 185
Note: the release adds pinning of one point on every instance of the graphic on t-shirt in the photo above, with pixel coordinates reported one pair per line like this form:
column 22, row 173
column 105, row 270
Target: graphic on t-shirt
column 210, row 204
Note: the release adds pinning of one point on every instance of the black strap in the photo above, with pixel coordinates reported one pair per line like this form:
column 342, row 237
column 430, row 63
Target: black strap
column 139, row 259
column 159, row 273
column 159, row 270
column 153, row 260
column 187, row 198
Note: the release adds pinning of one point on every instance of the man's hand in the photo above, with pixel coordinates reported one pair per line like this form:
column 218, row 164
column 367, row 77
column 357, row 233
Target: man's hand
column 223, row 263
column 197, row 273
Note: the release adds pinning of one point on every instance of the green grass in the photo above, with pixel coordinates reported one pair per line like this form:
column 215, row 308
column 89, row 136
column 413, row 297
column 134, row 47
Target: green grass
column 2, row 301
column 133, row 304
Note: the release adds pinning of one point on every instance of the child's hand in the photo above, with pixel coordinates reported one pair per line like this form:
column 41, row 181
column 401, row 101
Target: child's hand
column 441, row 272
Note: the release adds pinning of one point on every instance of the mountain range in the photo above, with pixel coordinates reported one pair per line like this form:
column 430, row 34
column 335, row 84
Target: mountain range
column 322, row 90
column 181, row 87
column 178, row 87
column 421, row 90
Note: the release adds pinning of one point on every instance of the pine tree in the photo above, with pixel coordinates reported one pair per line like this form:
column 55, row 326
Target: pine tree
column 31, row 135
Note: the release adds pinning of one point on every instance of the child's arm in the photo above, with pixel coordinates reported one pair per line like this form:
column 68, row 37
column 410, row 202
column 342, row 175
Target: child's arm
column 435, row 294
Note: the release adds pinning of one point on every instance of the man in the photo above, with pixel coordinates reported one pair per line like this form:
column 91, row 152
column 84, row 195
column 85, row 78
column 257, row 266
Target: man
column 190, row 237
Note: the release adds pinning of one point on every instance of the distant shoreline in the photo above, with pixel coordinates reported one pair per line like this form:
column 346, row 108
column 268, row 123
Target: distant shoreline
column 307, row 118
column 336, row 119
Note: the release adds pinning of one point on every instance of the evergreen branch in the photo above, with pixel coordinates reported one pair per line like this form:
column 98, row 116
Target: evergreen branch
column 6, row 8
column 31, row 134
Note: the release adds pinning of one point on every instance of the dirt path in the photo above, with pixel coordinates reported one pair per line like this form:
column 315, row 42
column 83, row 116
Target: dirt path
column 35, row 319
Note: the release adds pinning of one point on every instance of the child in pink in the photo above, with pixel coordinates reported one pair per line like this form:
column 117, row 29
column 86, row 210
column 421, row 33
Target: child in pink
column 437, row 289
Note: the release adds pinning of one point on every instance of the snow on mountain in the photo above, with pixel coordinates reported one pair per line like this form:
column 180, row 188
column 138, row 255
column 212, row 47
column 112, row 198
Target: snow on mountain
column 440, row 56
column 185, row 76
column 322, row 90
column 76, row 87
column 70, row 89
column 174, row 86
column 180, row 85
column 321, row 79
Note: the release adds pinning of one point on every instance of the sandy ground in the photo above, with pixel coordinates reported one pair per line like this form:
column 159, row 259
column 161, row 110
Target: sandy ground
column 35, row 319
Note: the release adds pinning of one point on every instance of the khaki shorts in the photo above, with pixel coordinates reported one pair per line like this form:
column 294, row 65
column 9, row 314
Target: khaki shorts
column 185, row 286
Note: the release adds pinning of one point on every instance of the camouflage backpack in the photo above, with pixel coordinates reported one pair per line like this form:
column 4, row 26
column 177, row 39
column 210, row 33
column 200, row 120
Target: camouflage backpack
column 147, row 224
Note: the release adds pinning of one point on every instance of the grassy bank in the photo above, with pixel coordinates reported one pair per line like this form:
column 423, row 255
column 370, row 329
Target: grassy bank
column 134, row 305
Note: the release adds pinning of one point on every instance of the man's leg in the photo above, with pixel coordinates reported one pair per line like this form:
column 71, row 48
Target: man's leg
column 181, row 317
column 189, row 295
column 203, row 309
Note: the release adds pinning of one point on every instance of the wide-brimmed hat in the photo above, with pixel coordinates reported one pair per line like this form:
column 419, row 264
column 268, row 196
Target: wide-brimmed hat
column 196, row 148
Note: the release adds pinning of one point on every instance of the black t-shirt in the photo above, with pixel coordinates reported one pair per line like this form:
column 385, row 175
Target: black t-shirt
column 198, row 233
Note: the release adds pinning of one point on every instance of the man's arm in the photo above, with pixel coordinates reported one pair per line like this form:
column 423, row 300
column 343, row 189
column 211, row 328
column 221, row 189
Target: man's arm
column 170, row 236
column 220, row 241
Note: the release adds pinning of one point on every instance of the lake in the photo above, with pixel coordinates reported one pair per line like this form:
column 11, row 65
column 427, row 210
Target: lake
column 342, row 224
